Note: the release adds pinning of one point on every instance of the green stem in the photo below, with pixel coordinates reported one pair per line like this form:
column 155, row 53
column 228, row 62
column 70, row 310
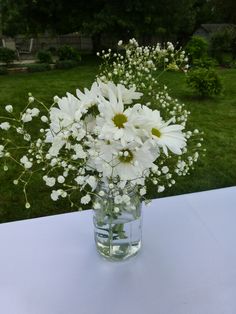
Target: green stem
column 110, row 237
column 8, row 118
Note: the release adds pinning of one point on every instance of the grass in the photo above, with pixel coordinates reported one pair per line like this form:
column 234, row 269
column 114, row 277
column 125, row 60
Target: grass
column 215, row 116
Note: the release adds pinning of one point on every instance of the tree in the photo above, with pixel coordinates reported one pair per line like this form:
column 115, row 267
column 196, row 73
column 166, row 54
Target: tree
column 224, row 10
column 142, row 19
column 167, row 19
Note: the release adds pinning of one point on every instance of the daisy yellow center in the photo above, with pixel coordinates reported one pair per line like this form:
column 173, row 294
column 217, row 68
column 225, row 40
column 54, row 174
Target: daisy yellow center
column 119, row 120
column 127, row 156
column 156, row 132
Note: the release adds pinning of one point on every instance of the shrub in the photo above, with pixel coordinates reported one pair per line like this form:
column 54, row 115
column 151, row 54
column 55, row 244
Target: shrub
column 66, row 64
column 3, row 70
column 223, row 42
column 205, row 81
column 7, row 55
column 44, row 56
column 233, row 46
column 53, row 50
column 227, row 59
column 38, row 67
column 205, row 62
column 233, row 64
column 197, row 48
column 68, row 53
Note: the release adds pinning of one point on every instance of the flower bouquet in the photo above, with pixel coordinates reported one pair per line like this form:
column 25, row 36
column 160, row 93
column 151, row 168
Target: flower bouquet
column 107, row 145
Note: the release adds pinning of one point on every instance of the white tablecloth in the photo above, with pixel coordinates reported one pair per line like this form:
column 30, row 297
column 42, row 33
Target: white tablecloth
column 187, row 265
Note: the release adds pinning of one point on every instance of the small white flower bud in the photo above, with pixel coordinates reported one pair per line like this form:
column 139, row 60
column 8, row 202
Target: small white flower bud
column 61, row 179
column 116, row 210
column 56, row 99
column 160, row 189
column 9, row 108
column 44, row 119
column 101, row 193
column 31, row 99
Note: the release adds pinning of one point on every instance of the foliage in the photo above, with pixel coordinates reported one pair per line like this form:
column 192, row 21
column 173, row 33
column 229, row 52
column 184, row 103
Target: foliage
column 28, row 17
column 44, row 56
column 224, row 10
column 205, row 62
column 205, row 81
column 222, row 42
column 66, row 64
column 233, row 64
column 3, row 70
column 7, row 55
column 234, row 48
column 162, row 18
column 38, row 67
column 121, row 19
column 204, row 12
column 68, row 53
column 197, row 48
column 52, row 50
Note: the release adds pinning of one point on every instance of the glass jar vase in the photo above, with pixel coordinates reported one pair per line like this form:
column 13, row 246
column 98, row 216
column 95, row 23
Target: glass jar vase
column 117, row 222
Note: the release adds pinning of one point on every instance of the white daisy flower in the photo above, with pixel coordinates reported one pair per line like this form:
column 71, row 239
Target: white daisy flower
column 57, row 143
column 69, row 111
column 128, row 163
column 127, row 94
column 90, row 123
column 162, row 133
column 115, row 122
column 90, row 97
column 64, row 121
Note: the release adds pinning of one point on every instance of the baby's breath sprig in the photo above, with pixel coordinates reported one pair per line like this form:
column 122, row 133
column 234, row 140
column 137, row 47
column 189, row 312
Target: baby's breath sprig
column 125, row 131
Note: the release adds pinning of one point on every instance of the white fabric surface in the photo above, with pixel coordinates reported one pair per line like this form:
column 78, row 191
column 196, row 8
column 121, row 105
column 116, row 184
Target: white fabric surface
column 187, row 264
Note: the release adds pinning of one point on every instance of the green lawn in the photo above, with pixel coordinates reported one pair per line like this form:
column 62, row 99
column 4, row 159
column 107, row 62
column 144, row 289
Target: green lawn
column 216, row 117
